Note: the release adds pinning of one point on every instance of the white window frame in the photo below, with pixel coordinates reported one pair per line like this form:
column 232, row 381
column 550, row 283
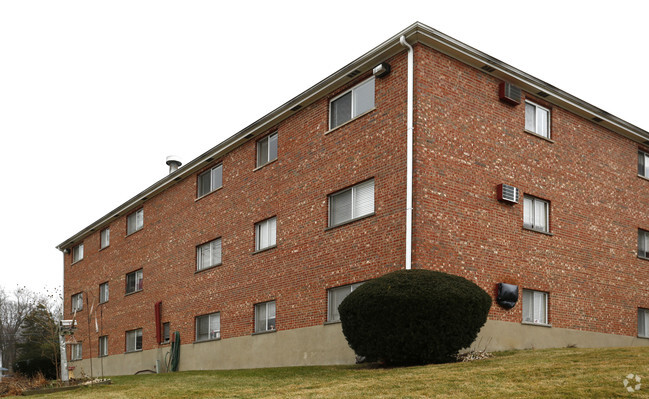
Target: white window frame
column 266, row 234
column 103, row 346
column 213, row 327
column 135, row 221
column 355, row 111
column 530, row 213
column 104, row 238
column 76, row 351
column 138, row 283
column 643, row 164
column 215, row 181
column 335, row 296
column 132, row 337
column 103, row 292
column 270, row 154
column 643, row 323
column 77, row 302
column 357, row 211
column 538, row 119
column 535, row 307
column 265, row 317
column 77, row 253
column 643, row 244
column 209, row 254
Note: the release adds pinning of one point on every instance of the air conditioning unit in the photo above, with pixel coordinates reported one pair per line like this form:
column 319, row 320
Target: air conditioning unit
column 507, row 193
column 509, row 93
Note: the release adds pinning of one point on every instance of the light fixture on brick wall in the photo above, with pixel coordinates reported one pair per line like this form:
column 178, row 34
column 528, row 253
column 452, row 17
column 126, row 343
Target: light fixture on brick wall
column 381, row 70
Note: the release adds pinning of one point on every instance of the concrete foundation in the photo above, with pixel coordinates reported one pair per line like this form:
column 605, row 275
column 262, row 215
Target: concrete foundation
column 326, row 345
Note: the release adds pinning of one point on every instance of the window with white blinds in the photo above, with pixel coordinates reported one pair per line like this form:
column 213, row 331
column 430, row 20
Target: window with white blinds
column 208, row 327
column 104, row 240
column 267, row 150
column 643, row 164
column 643, row 243
column 643, row 323
column 266, row 234
column 135, row 221
column 535, row 307
column 536, row 214
column 537, row 119
column 352, row 103
column 76, row 351
column 134, row 340
column 335, row 298
column 77, row 302
column 103, row 346
column 265, row 316
column 210, row 180
column 103, row 292
column 77, row 253
column 351, row 203
column 208, row 254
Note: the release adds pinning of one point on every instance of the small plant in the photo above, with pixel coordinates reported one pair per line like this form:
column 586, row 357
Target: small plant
column 414, row 317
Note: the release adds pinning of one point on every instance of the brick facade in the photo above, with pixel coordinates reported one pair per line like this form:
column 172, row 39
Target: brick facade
column 466, row 143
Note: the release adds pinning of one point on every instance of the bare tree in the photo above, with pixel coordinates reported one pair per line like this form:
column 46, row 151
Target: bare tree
column 13, row 310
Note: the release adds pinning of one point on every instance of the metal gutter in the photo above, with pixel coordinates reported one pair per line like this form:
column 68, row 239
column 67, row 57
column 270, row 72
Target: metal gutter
column 415, row 33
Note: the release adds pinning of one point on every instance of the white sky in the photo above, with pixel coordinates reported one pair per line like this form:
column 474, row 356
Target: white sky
column 94, row 95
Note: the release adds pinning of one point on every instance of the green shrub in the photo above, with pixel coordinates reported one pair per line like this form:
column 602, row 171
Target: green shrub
column 413, row 316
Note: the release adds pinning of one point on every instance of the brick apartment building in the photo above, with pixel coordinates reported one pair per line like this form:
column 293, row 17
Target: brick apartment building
column 247, row 250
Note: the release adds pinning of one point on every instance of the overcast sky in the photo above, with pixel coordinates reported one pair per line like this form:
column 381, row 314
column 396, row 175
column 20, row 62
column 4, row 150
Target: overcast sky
column 94, row 95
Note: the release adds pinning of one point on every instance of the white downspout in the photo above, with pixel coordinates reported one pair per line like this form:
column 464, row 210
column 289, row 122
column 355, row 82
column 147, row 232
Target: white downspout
column 409, row 157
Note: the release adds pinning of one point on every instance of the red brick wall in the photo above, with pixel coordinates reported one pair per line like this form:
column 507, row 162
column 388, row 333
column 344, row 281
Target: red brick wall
column 468, row 142
column 308, row 259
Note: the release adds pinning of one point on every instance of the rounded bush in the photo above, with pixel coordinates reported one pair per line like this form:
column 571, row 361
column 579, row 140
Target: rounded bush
column 413, row 316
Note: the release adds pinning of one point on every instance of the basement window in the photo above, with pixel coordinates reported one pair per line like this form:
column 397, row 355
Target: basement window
column 643, row 323
column 208, row 327
column 210, row 180
column 103, row 346
column 166, row 333
column 265, row 317
column 537, row 119
column 134, row 340
column 335, row 298
column 351, row 103
column 351, row 203
column 535, row 307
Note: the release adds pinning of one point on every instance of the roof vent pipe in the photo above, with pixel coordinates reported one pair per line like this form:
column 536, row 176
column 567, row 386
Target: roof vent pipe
column 174, row 163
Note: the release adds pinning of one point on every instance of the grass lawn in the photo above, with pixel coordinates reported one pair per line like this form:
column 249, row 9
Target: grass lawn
column 551, row 373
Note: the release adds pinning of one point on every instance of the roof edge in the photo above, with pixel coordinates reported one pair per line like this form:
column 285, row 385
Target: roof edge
column 415, row 33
